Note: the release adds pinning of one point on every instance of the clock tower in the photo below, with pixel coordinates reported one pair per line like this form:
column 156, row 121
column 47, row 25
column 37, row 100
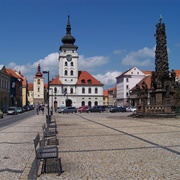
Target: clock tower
column 68, row 58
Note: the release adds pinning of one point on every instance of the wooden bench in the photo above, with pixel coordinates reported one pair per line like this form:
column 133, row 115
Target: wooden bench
column 45, row 153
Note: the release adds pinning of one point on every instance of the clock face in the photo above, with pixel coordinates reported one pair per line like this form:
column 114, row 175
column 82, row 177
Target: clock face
column 69, row 57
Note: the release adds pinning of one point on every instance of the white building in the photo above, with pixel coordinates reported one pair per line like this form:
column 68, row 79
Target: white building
column 73, row 87
column 125, row 82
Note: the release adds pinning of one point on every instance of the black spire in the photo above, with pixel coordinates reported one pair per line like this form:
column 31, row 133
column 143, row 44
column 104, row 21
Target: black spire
column 68, row 40
column 161, row 74
column 161, row 54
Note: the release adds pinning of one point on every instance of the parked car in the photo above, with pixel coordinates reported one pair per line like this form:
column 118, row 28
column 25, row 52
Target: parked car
column 26, row 108
column 1, row 114
column 131, row 109
column 117, row 109
column 12, row 110
column 19, row 110
column 97, row 109
column 83, row 109
column 68, row 110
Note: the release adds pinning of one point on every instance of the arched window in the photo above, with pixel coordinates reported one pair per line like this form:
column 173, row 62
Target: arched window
column 95, row 103
column 65, row 72
column 72, row 64
column 65, row 90
column 82, row 103
column 89, row 90
column 71, row 90
column 65, row 63
column 89, row 103
column 96, row 90
column 72, row 73
column 38, row 81
column 83, row 90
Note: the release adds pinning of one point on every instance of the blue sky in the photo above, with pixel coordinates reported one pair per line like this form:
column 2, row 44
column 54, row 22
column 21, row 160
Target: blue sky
column 112, row 35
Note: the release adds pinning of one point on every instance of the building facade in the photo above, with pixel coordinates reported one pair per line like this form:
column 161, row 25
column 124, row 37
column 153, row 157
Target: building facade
column 125, row 82
column 73, row 87
column 4, row 89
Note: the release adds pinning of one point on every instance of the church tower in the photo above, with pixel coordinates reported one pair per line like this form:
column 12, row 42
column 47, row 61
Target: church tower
column 68, row 58
column 38, row 87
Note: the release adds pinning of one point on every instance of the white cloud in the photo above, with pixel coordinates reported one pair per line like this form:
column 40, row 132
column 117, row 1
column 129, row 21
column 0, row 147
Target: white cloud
column 49, row 63
column 108, row 79
column 90, row 63
column 142, row 57
column 119, row 51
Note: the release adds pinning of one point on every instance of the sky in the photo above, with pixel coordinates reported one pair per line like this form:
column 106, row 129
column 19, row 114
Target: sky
column 112, row 35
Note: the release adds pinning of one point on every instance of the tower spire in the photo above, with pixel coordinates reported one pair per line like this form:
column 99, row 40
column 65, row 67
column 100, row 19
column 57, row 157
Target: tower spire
column 68, row 40
column 68, row 27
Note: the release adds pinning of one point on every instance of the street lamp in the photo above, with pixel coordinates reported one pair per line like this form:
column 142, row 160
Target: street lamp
column 47, row 72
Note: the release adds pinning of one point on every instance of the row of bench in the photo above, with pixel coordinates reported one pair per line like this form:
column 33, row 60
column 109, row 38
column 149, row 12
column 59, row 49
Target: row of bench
column 46, row 148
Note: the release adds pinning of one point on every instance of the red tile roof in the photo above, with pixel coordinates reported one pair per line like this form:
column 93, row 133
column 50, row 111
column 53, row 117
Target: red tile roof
column 30, row 87
column 13, row 73
column 147, row 72
column 112, row 89
column 105, row 93
column 84, row 78
column 147, row 80
column 177, row 73
column 55, row 81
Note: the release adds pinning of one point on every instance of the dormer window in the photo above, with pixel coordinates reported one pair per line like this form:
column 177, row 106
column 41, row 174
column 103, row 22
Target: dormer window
column 89, row 81
column 83, row 81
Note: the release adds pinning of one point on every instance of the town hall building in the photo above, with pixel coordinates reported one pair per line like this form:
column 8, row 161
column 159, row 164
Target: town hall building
column 73, row 87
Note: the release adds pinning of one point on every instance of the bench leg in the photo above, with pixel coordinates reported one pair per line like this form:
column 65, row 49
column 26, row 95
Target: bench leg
column 59, row 167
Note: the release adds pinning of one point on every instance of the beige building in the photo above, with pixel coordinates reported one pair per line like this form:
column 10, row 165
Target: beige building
column 38, row 87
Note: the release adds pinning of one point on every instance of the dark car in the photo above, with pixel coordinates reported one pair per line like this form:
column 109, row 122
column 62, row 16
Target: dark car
column 26, row 108
column 97, row 109
column 68, row 110
column 117, row 109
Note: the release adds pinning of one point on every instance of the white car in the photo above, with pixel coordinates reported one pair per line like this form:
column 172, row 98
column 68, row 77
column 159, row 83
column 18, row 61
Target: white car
column 12, row 110
column 131, row 109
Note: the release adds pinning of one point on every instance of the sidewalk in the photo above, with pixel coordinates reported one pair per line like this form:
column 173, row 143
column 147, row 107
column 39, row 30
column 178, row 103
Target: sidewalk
column 17, row 148
column 107, row 146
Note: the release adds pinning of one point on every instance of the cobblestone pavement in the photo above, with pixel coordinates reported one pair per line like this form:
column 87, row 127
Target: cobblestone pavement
column 97, row 146
column 17, row 148
column 113, row 146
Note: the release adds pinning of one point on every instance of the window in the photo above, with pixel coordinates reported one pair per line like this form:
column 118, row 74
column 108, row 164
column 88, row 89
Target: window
column 83, row 81
column 127, row 94
column 65, row 63
column 38, row 89
column 137, row 72
column 89, row 81
column 127, row 87
column 96, row 90
column 127, row 79
column 65, row 72
column 72, row 73
column 83, row 90
column 71, row 90
column 72, row 64
column 38, row 81
column 89, row 90
column 65, row 90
